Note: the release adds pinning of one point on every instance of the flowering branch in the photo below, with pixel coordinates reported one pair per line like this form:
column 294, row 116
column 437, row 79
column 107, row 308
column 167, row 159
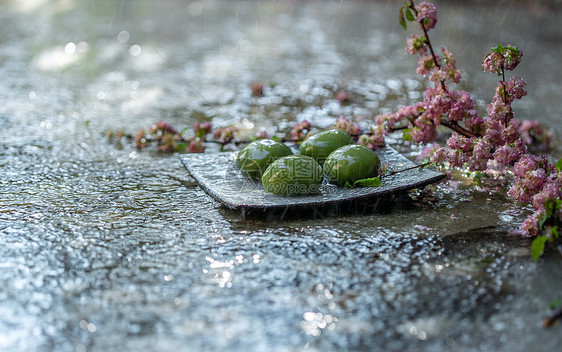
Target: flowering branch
column 477, row 143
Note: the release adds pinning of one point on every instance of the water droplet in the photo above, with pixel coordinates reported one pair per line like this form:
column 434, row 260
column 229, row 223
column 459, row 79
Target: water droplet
column 123, row 36
column 70, row 48
column 135, row 50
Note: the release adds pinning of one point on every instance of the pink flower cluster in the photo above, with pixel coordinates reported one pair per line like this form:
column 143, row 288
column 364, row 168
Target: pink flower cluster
column 475, row 141
column 416, row 45
column 344, row 97
column 497, row 137
column 300, row 131
column 502, row 57
column 372, row 140
column 535, row 136
column 427, row 15
column 440, row 101
column 225, row 135
column 165, row 135
column 346, row 125
column 160, row 128
column 536, row 181
column 201, row 129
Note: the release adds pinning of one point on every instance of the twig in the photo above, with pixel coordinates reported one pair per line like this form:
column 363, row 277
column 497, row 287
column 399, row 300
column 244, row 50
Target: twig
column 457, row 128
column 407, row 169
column 413, row 7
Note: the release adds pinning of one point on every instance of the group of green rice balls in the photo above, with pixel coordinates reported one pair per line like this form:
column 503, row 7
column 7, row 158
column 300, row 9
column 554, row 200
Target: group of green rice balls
column 283, row 173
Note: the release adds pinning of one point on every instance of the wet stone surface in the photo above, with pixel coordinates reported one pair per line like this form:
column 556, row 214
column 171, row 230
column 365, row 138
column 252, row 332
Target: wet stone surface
column 104, row 247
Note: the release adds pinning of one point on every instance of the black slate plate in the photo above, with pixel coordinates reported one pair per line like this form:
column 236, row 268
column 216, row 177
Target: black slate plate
column 218, row 176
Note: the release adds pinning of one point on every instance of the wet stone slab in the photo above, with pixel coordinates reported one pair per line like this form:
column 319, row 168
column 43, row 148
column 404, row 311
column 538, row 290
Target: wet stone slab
column 219, row 177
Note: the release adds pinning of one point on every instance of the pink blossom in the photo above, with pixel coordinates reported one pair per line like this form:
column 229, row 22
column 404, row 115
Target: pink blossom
column 425, row 65
column 355, row 129
column 534, row 180
column 510, row 134
column 512, row 57
column 201, row 129
column 225, row 135
column 376, row 139
column 344, row 97
column 517, row 192
column 530, row 226
column 427, row 151
column 365, row 140
column 346, row 125
column 457, row 141
column 535, row 136
column 508, row 154
column 342, row 124
column 168, row 143
column 494, row 131
column 262, row 135
column 161, row 128
column 498, row 110
column 406, row 112
column 462, row 106
column 300, row 130
column 502, row 57
column 474, row 123
column 195, row 146
column 456, row 158
column 550, row 191
column 416, row 44
column 481, row 153
column 438, row 75
column 453, row 75
column 502, row 95
column 516, row 87
column 524, row 129
column 427, row 15
column 493, row 62
column 423, row 130
column 439, row 156
column 525, row 164
column 257, row 89
column 449, row 67
column 389, row 120
column 436, row 104
column 371, row 141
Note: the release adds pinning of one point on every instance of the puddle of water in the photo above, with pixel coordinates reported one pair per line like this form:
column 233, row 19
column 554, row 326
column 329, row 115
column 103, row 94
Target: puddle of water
column 106, row 247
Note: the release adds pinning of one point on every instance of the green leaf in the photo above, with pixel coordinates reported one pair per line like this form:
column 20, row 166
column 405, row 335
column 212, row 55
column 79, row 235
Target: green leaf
column 348, row 185
column 368, row 182
column 181, row 147
column 87, row 123
column 537, row 247
column 559, row 165
column 276, row 139
column 410, row 15
column 514, row 49
column 406, row 135
column 502, row 49
column 401, row 18
column 184, row 130
column 498, row 49
column 542, row 221
column 555, row 304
